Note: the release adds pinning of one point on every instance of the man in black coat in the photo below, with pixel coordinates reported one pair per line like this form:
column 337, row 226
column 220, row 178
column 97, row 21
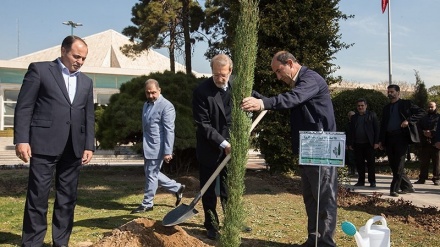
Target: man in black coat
column 395, row 136
column 364, row 139
column 427, row 151
column 212, row 113
column 311, row 109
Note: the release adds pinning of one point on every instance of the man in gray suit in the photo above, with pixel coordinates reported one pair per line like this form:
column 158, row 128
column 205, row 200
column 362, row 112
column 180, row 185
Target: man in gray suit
column 54, row 130
column 158, row 117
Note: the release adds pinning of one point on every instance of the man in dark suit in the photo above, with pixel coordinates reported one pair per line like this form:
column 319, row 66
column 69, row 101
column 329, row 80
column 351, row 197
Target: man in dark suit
column 212, row 113
column 427, row 151
column 395, row 137
column 363, row 138
column 54, row 129
column 311, row 109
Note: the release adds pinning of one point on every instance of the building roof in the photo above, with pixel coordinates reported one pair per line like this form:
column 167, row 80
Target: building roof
column 104, row 57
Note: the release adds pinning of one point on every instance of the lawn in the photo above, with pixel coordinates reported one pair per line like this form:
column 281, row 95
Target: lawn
column 273, row 203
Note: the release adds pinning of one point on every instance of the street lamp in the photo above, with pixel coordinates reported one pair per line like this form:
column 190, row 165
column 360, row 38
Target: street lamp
column 72, row 25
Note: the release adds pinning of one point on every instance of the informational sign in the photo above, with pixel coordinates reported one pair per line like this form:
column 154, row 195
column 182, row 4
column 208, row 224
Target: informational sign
column 320, row 148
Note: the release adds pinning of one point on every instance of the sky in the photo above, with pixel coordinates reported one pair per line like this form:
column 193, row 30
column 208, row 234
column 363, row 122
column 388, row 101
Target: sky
column 28, row 26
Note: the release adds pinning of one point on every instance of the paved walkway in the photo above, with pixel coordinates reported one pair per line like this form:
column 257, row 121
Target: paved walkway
column 426, row 194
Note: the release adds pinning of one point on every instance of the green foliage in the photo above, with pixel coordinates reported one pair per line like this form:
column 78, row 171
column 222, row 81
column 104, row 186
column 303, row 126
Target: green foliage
column 120, row 123
column 160, row 24
column 420, row 95
column 245, row 57
column 345, row 101
column 434, row 94
column 309, row 30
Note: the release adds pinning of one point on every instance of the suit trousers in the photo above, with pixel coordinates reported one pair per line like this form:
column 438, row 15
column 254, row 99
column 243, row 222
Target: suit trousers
column 365, row 152
column 396, row 149
column 426, row 155
column 154, row 179
column 328, row 183
column 42, row 167
column 209, row 198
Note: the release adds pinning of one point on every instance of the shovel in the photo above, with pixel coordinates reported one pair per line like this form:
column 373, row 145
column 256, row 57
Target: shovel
column 183, row 212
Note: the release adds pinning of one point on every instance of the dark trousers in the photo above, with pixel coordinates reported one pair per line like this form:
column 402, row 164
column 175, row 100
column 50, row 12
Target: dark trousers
column 426, row 155
column 209, row 198
column 328, row 183
column 41, row 171
column 396, row 148
column 365, row 152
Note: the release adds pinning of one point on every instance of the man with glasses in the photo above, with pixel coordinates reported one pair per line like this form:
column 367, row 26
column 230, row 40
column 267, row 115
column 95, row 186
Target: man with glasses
column 364, row 139
column 212, row 104
column 311, row 109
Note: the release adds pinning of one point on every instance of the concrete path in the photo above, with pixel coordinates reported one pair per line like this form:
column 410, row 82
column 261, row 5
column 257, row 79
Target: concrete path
column 426, row 194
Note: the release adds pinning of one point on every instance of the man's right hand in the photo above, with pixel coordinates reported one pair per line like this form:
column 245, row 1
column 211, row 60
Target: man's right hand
column 23, row 151
column 228, row 149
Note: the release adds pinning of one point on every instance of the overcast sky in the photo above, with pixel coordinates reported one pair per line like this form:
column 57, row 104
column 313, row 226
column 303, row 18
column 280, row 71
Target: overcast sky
column 29, row 26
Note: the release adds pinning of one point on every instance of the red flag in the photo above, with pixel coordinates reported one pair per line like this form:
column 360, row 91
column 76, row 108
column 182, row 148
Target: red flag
column 384, row 5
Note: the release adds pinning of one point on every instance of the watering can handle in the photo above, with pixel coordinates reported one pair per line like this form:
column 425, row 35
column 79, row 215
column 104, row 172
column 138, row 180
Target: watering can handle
column 373, row 220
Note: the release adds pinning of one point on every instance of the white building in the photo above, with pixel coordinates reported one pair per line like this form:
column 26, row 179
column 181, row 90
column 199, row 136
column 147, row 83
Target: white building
column 105, row 64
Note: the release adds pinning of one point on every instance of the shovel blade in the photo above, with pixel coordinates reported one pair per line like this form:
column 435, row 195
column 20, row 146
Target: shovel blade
column 179, row 215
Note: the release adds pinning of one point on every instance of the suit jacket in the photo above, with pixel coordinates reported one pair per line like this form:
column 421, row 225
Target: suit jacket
column 44, row 115
column 310, row 105
column 371, row 126
column 428, row 122
column 158, row 128
column 407, row 111
column 212, row 124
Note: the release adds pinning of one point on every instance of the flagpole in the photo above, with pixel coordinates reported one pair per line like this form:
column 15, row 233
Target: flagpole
column 390, row 68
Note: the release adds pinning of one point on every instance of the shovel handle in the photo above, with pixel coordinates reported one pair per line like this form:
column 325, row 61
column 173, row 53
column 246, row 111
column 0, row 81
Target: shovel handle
column 223, row 164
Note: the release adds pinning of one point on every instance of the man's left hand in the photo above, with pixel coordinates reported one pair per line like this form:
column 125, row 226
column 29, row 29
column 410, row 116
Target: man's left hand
column 87, row 156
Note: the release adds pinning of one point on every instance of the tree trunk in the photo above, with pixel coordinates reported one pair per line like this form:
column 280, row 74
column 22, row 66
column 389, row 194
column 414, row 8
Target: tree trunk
column 186, row 35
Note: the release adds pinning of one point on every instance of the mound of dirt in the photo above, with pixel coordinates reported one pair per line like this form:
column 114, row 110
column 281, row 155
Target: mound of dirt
column 144, row 232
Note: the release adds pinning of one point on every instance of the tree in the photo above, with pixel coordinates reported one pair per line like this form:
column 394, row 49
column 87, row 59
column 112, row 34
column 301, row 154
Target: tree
column 164, row 23
column 434, row 94
column 420, row 95
column 307, row 28
column 245, row 58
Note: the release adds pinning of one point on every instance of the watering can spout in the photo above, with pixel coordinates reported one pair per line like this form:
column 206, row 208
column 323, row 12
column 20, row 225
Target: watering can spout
column 370, row 235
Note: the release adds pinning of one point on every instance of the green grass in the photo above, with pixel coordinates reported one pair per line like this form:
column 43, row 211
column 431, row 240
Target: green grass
column 273, row 204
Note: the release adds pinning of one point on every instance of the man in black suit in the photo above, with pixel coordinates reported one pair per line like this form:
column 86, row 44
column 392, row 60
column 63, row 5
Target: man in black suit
column 363, row 138
column 395, row 137
column 212, row 113
column 311, row 109
column 427, row 151
column 54, row 130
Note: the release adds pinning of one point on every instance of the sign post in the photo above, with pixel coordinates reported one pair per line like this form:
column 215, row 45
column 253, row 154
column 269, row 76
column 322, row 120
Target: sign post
column 319, row 148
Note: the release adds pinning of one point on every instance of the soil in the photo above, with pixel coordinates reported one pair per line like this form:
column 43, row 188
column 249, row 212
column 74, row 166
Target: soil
column 144, row 232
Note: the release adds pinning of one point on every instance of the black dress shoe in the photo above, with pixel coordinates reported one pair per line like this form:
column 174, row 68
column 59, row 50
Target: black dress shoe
column 141, row 209
column 359, row 184
column 212, row 234
column 394, row 194
column 409, row 190
column 373, row 185
column 179, row 194
column 420, row 181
